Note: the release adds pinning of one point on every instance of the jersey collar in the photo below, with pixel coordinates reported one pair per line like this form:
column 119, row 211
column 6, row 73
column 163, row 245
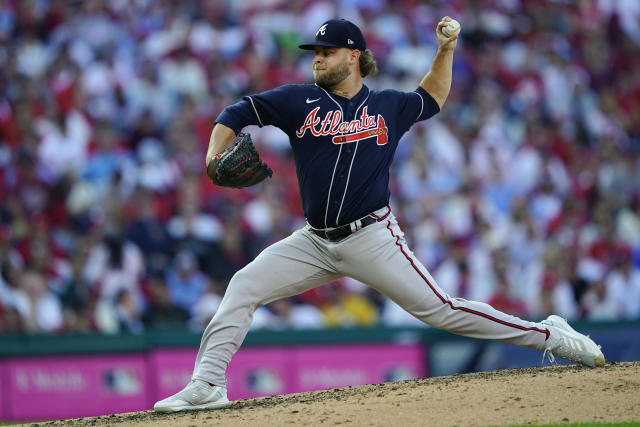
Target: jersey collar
column 364, row 91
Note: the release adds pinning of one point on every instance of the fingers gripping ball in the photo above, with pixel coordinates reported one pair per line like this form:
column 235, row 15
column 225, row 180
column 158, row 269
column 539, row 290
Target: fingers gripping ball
column 239, row 165
column 451, row 29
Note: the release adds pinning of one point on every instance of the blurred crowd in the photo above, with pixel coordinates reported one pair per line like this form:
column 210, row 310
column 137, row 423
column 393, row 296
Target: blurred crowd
column 524, row 192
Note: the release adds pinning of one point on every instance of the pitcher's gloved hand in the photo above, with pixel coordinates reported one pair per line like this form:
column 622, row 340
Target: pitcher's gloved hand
column 239, row 165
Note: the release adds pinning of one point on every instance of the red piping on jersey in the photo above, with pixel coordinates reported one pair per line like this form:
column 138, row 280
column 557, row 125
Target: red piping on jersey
column 453, row 307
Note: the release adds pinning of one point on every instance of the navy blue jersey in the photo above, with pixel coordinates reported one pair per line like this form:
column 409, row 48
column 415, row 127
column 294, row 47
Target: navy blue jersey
column 342, row 147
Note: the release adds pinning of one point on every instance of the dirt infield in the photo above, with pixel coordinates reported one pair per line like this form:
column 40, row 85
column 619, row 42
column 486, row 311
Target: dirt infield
column 517, row 396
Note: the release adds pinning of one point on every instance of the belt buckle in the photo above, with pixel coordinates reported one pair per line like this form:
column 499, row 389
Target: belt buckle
column 335, row 235
column 339, row 233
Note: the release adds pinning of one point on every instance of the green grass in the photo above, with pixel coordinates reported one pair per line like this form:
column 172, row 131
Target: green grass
column 624, row 424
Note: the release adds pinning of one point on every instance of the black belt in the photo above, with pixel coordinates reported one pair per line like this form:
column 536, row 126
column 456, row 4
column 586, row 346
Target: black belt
column 339, row 233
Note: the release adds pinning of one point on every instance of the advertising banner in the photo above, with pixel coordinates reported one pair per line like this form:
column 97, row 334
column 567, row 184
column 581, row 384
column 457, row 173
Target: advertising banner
column 169, row 371
column 252, row 372
column 62, row 387
column 78, row 386
column 3, row 394
column 265, row 371
column 319, row 368
column 256, row 372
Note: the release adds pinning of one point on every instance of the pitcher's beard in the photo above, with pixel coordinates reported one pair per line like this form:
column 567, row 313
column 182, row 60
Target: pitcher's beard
column 328, row 80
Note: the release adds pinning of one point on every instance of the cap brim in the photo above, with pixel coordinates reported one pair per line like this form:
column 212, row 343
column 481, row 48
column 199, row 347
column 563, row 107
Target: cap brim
column 311, row 45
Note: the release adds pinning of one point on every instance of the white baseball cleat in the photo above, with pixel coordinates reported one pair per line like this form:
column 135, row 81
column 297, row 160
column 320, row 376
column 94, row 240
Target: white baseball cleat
column 566, row 342
column 196, row 395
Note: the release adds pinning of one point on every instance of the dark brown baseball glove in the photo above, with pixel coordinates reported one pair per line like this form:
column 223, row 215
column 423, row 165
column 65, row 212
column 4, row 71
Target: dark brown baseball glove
column 239, row 165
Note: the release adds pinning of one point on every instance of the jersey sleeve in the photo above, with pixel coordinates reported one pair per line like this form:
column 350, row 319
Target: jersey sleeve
column 416, row 106
column 266, row 108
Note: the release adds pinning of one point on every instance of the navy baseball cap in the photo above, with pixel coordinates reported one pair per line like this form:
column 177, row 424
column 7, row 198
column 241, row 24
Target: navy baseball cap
column 337, row 33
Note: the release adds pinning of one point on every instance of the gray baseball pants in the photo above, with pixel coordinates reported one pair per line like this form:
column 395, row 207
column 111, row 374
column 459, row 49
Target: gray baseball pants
column 376, row 255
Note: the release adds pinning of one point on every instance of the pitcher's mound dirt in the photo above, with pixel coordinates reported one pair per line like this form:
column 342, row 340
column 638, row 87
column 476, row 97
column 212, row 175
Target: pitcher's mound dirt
column 561, row 394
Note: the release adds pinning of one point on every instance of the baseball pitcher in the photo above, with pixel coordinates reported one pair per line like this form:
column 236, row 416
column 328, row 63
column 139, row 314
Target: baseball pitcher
column 344, row 136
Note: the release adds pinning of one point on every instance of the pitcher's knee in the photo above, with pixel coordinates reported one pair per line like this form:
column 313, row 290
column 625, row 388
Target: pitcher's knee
column 245, row 284
column 439, row 317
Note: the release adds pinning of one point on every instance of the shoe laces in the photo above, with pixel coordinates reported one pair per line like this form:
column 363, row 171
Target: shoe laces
column 563, row 349
column 549, row 354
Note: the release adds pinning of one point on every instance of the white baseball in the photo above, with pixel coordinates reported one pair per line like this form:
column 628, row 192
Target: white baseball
column 451, row 29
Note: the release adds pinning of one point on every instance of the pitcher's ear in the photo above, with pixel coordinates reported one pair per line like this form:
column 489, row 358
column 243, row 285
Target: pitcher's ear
column 355, row 55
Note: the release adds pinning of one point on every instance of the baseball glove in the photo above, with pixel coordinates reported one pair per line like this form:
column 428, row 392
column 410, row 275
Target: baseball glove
column 239, row 165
